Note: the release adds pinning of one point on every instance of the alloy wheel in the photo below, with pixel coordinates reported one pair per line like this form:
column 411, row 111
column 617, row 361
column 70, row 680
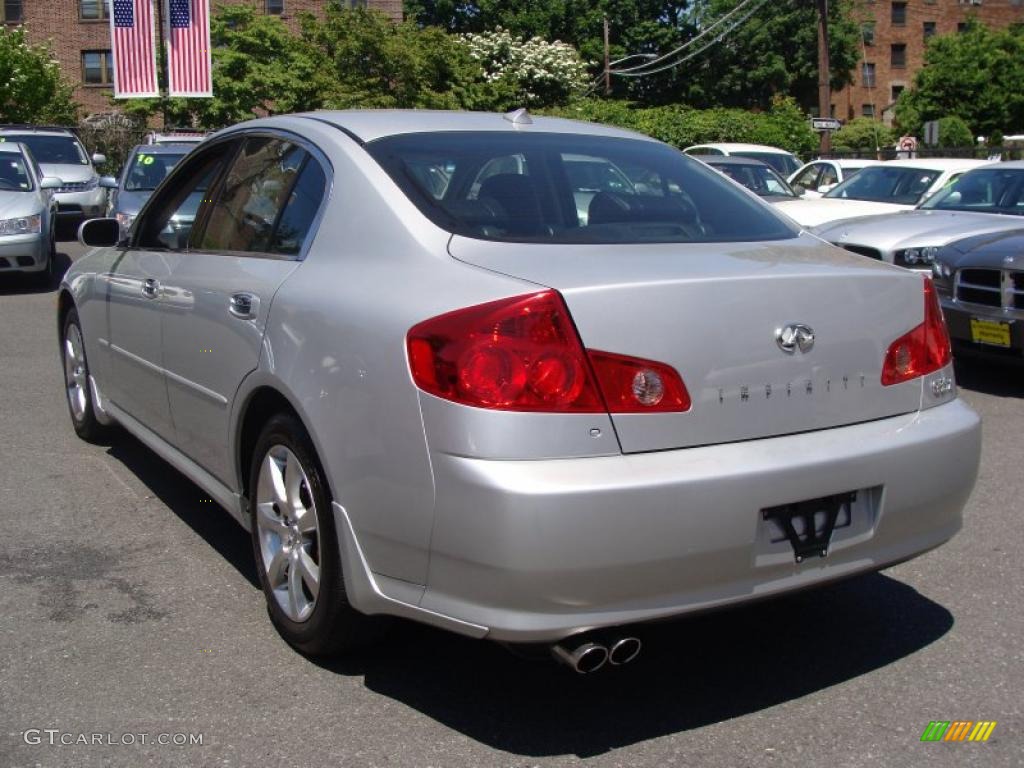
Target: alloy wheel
column 75, row 379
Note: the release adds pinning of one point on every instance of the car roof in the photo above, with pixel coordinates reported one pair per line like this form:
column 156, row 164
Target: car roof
column 938, row 163
column 46, row 130
column 11, row 147
column 370, row 124
column 733, row 160
column 163, row 149
column 739, row 147
column 847, row 162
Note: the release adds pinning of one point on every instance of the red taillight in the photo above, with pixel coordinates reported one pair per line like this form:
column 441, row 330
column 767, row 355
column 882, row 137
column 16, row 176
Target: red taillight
column 924, row 349
column 631, row 385
column 523, row 354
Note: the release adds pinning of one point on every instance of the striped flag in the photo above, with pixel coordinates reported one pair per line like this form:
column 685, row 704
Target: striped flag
column 188, row 48
column 131, row 36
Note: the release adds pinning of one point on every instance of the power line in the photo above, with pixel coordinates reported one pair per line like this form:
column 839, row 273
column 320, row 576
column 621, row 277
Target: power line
column 632, row 71
column 706, row 31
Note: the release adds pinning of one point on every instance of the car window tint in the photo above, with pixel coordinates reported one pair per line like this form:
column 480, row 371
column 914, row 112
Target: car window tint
column 13, row 173
column 255, row 189
column 167, row 221
column 828, row 175
column 300, row 210
column 808, row 177
column 568, row 188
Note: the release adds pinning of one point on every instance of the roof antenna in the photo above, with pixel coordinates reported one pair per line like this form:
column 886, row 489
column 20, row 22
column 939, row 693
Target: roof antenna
column 519, row 117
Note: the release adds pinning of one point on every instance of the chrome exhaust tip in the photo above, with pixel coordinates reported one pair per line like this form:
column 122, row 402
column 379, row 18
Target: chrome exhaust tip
column 624, row 650
column 584, row 659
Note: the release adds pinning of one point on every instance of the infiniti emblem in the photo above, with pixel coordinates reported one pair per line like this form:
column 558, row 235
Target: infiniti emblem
column 794, row 336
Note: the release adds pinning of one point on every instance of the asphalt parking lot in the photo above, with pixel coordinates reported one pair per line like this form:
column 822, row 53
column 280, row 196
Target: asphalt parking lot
column 129, row 607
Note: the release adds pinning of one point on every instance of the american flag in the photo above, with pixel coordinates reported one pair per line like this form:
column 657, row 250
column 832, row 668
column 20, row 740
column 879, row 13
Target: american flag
column 131, row 34
column 188, row 48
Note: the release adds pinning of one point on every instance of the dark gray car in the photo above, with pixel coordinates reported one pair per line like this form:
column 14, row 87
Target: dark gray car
column 146, row 167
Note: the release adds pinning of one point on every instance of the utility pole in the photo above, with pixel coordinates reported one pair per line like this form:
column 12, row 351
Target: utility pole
column 607, row 64
column 824, row 89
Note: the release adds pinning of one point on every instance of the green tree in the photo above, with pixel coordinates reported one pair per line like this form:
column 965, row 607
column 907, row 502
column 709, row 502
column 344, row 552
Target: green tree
column 954, row 132
column 31, row 87
column 774, row 52
column 863, row 134
column 975, row 75
column 371, row 62
column 259, row 68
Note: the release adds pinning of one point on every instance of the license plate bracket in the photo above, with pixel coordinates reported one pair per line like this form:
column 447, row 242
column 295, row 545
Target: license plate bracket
column 809, row 524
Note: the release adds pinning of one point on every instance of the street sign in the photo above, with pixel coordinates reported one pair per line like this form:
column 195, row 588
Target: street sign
column 825, row 124
column 931, row 133
column 908, row 143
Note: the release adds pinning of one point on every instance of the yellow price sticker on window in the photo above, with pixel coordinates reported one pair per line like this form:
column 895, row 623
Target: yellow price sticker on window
column 145, row 159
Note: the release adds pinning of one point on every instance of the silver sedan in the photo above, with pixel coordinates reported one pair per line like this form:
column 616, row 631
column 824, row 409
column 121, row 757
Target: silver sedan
column 28, row 214
column 459, row 403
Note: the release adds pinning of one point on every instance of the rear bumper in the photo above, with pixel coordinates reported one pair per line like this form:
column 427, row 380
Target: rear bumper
column 23, row 253
column 535, row 551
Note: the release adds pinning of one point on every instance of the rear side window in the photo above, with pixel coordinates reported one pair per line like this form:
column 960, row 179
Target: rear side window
column 254, row 192
column 300, row 209
column 566, row 188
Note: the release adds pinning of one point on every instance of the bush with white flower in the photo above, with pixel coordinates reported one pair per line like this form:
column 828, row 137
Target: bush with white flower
column 540, row 73
column 32, row 89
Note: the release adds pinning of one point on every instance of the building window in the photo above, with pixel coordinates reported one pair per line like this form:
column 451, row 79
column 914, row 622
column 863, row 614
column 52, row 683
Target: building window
column 867, row 75
column 899, row 55
column 899, row 14
column 92, row 10
column 896, row 91
column 929, row 29
column 273, row 7
column 867, row 110
column 962, row 27
column 11, row 10
column 97, row 68
column 867, row 32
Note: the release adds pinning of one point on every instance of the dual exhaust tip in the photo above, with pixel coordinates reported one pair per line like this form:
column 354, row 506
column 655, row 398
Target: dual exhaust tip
column 586, row 656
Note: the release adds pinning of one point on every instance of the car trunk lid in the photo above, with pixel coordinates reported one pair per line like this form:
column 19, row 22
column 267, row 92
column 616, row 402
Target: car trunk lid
column 712, row 312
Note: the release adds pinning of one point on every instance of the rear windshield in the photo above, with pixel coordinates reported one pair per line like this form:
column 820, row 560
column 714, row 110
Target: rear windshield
column 53, row 149
column 759, row 179
column 995, row 190
column 887, row 184
column 567, row 188
column 784, row 164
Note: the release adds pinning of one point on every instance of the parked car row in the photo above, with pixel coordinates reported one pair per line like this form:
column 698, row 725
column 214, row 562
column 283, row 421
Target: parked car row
column 520, row 378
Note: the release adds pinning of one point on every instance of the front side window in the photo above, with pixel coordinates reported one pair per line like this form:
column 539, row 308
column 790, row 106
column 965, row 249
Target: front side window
column 983, row 191
column 65, row 150
column 255, row 191
column 565, row 188
column 829, row 175
column 146, row 170
column 14, row 176
column 808, row 178
column 167, row 221
column 887, row 184
column 97, row 68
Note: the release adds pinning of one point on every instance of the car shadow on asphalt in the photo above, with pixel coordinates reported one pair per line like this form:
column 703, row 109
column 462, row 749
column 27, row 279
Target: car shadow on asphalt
column 693, row 672
column 991, row 377
column 188, row 501
column 12, row 283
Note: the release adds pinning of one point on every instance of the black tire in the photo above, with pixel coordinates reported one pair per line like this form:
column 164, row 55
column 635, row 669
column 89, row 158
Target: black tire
column 334, row 626
column 86, row 426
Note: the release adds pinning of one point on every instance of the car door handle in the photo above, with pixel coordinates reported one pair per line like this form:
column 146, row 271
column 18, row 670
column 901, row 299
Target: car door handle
column 150, row 288
column 244, row 305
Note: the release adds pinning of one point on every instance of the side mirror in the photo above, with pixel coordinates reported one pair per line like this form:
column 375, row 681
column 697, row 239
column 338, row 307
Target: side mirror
column 98, row 159
column 108, row 182
column 50, row 182
column 100, row 233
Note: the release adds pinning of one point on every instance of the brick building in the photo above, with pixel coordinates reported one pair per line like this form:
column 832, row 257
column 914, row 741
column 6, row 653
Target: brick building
column 79, row 34
column 895, row 37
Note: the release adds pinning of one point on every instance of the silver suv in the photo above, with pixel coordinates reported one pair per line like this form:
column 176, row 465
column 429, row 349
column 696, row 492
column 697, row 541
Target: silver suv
column 60, row 154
